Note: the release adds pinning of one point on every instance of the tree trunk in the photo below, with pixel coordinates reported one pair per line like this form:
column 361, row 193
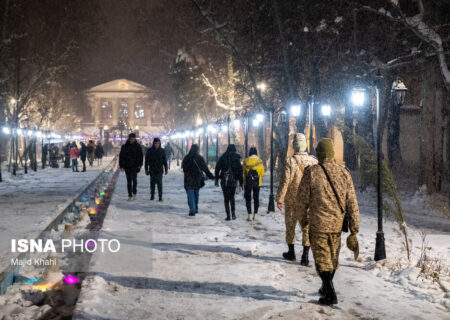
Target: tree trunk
column 349, row 143
column 430, row 95
column 422, row 130
column 393, row 136
column 439, row 135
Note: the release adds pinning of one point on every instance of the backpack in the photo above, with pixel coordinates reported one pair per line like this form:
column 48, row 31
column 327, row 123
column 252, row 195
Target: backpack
column 228, row 176
column 252, row 178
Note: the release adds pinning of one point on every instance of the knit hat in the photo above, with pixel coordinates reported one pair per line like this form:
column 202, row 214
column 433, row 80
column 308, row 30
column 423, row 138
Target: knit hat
column 253, row 151
column 325, row 149
column 131, row 135
column 156, row 140
column 352, row 244
column 299, row 142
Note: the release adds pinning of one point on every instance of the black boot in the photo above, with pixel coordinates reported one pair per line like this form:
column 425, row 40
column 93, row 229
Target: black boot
column 305, row 254
column 233, row 216
column 160, row 198
column 329, row 293
column 290, row 255
column 152, row 197
column 322, row 289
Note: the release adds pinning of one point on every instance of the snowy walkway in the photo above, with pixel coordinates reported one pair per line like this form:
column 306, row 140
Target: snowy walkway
column 29, row 202
column 206, row 268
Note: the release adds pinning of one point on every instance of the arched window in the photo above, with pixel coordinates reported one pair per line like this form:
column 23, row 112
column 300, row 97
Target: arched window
column 123, row 111
column 139, row 112
column 106, row 111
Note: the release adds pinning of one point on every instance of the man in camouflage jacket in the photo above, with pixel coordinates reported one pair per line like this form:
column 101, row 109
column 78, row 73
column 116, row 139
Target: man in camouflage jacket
column 318, row 207
column 287, row 193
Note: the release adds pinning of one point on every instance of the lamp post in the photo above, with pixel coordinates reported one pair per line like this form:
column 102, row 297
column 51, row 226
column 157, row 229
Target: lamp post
column 311, row 124
column 246, row 135
column 380, row 249
column 271, row 207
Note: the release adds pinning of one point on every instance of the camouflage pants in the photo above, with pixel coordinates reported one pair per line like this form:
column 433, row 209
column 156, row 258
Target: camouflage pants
column 291, row 219
column 325, row 248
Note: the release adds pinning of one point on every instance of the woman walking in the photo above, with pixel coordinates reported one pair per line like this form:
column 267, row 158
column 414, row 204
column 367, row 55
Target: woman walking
column 99, row 152
column 73, row 152
column 194, row 166
column 229, row 171
column 253, row 169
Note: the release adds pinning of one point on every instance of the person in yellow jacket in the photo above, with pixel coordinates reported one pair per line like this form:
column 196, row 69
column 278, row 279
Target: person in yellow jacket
column 253, row 170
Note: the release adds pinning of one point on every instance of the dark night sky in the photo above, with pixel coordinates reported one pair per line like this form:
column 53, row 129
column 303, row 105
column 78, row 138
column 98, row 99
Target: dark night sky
column 138, row 40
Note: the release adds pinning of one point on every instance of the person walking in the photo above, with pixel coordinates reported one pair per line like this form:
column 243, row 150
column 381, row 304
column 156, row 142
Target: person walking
column 229, row 171
column 99, row 152
column 253, row 170
column 53, row 156
column 130, row 161
column 44, row 155
column 73, row 152
column 194, row 168
column 90, row 152
column 155, row 166
column 287, row 192
column 83, row 152
column 169, row 153
column 325, row 197
column 66, row 150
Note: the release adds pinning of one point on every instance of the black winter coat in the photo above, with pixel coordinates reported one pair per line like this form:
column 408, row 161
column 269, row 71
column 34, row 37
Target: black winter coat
column 227, row 160
column 99, row 152
column 193, row 166
column 130, row 156
column 83, row 152
column 156, row 161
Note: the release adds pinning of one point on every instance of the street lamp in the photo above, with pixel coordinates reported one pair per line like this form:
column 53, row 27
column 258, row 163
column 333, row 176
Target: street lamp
column 398, row 91
column 326, row 110
column 358, row 96
column 261, row 86
column 295, row 110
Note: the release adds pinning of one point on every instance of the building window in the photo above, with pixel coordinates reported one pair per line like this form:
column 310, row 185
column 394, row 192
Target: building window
column 139, row 112
column 106, row 111
column 123, row 111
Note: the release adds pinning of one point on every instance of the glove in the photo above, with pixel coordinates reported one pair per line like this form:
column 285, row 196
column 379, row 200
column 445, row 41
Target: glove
column 352, row 244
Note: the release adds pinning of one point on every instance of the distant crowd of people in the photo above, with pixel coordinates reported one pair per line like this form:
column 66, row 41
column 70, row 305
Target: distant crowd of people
column 315, row 192
column 71, row 152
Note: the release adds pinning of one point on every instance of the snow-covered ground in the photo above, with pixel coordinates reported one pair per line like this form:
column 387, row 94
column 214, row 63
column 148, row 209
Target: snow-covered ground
column 206, row 268
column 29, row 202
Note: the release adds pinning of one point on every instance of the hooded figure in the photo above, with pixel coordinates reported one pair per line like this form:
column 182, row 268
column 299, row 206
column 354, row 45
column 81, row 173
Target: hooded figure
column 83, row 153
column 253, row 170
column 320, row 209
column 169, row 153
column 287, row 193
column 194, row 168
column 130, row 161
column 229, row 171
column 155, row 166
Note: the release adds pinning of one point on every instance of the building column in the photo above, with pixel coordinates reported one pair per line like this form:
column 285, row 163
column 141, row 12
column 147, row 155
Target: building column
column 131, row 107
column 115, row 111
column 97, row 111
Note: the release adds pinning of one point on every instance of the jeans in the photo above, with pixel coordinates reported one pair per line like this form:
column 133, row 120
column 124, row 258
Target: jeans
column 131, row 180
column 192, row 198
column 74, row 164
column 169, row 159
column 156, row 179
column 84, row 164
column 248, row 198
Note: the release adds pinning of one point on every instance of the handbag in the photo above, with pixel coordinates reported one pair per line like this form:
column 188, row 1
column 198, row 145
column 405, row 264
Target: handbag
column 345, row 222
column 203, row 178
